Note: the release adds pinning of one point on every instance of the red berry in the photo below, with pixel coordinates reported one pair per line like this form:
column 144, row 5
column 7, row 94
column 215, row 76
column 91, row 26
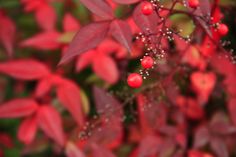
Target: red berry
column 135, row 80
column 193, row 3
column 147, row 8
column 223, row 29
column 147, row 62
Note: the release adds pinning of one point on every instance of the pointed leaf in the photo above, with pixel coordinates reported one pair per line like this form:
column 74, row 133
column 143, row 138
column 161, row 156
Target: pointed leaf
column 7, row 33
column 27, row 130
column 43, row 41
column 121, row 32
column 50, row 122
column 46, row 17
column 69, row 95
column 99, row 7
column 24, row 69
column 18, row 108
column 87, row 38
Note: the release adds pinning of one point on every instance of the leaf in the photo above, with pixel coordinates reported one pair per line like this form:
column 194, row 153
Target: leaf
column 104, row 66
column 69, row 95
column 18, row 108
column 46, row 17
column 122, row 33
column 73, row 151
column 7, row 33
column 149, row 145
column 219, row 147
column 70, row 23
column 205, row 7
column 100, row 151
column 43, row 87
column 27, row 130
column 232, row 110
column 145, row 22
column 110, row 111
column 201, row 137
column 126, row 1
column 43, row 41
column 25, row 69
column 87, row 38
column 49, row 120
column 100, row 8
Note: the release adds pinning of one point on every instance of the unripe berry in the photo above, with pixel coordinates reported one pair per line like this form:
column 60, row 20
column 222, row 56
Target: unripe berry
column 147, row 8
column 147, row 62
column 135, row 80
column 223, row 29
column 193, row 3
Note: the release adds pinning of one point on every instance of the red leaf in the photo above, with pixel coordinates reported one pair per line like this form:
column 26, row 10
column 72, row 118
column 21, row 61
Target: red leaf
column 46, row 17
column 99, row 7
column 43, row 41
column 87, row 38
column 49, row 121
column 121, row 32
column 105, row 67
column 7, row 33
column 144, row 22
column 27, row 130
column 24, row 69
column 126, row 1
column 43, row 87
column 18, row 108
column 73, row 151
column 69, row 95
column 85, row 59
column 70, row 23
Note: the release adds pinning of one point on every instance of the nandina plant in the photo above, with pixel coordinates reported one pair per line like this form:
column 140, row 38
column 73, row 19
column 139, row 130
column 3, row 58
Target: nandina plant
column 125, row 78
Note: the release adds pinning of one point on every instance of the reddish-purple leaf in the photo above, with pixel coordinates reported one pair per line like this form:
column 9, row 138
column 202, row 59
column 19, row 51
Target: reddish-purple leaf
column 27, row 130
column 24, row 69
column 87, row 38
column 73, row 151
column 69, row 95
column 232, row 110
column 7, row 33
column 219, row 147
column 99, row 7
column 205, row 7
column 43, row 41
column 111, row 134
column 145, row 22
column 100, row 151
column 121, row 32
column 149, row 145
column 49, row 120
column 126, row 1
column 201, row 137
column 105, row 67
column 46, row 17
column 18, row 108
